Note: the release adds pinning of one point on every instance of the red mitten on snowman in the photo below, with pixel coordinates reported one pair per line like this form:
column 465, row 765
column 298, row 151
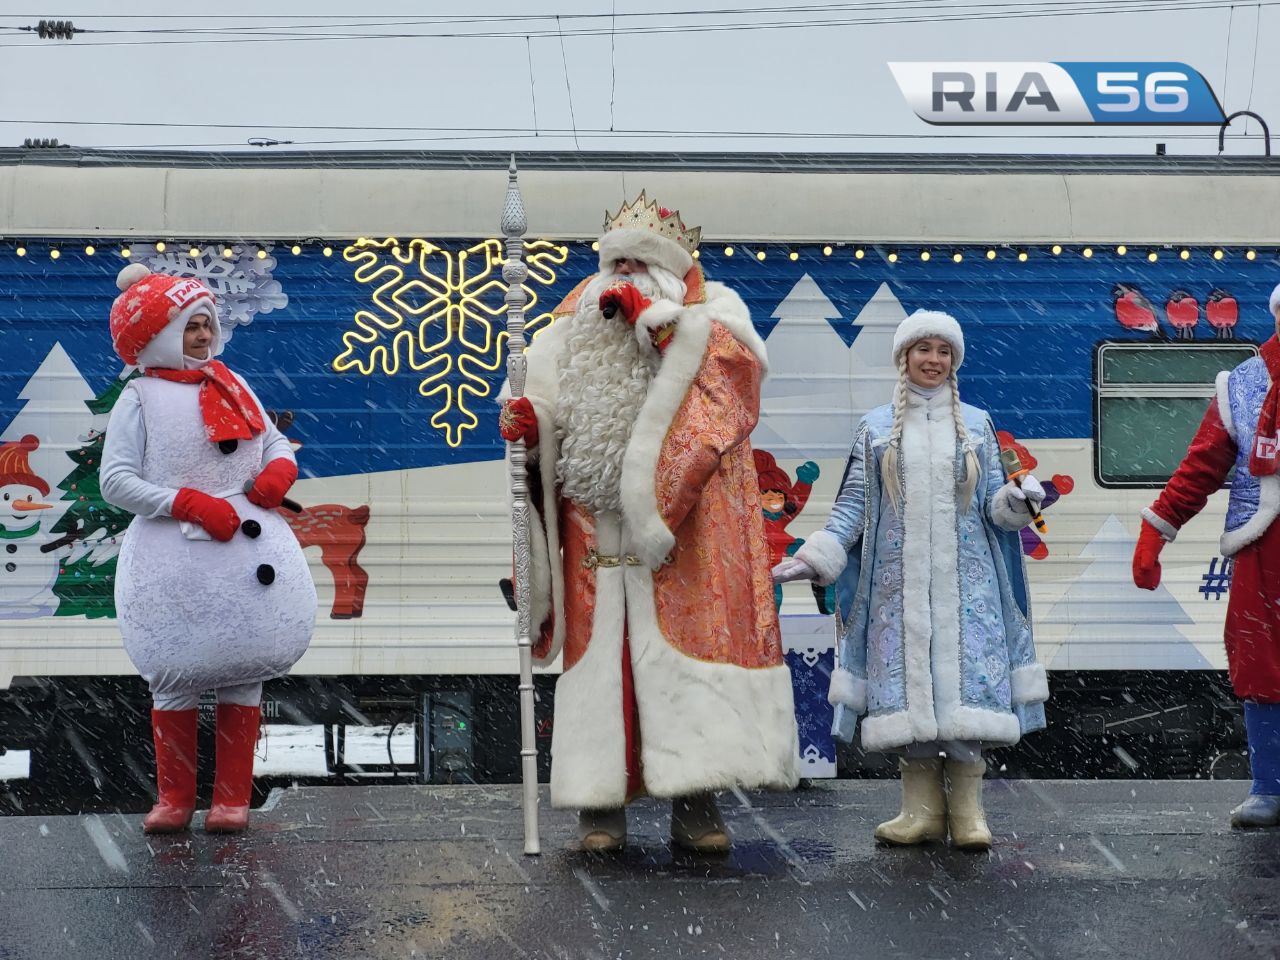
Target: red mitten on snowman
column 268, row 491
column 216, row 515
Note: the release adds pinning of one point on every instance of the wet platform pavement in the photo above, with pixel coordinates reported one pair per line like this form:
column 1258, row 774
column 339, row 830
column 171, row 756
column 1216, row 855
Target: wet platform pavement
column 1131, row 869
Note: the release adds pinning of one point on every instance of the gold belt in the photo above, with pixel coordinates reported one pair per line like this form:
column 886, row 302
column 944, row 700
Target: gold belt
column 594, row 559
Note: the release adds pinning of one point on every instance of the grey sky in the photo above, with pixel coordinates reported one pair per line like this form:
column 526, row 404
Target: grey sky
column 829, row 81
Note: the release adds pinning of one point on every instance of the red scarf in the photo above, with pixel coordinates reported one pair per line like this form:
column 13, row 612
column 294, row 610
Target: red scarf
column 1262, row 458
column 230, row 413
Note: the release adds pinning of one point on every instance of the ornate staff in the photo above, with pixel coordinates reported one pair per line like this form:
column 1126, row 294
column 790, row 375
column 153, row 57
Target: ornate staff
column 514, row 272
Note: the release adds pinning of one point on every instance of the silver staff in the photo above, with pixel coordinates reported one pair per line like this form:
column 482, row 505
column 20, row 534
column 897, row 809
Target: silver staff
column 514, row 272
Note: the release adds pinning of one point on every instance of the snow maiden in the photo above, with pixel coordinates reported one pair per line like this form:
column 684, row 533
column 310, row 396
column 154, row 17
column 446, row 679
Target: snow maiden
column 212, row 589
column 935, row 649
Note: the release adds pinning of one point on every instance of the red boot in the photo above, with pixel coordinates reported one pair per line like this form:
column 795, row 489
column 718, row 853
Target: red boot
column 175, row 736
column 233, row 779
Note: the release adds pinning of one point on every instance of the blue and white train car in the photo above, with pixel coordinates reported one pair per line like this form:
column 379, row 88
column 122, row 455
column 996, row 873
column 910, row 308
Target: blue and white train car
column 362, row 298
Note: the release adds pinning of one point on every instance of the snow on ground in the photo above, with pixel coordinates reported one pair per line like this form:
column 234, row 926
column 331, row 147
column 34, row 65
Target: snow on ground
column 285, row 750
column 14, row 764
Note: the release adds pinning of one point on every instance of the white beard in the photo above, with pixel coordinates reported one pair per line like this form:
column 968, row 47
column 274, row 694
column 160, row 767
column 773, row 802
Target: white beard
column 604, row 379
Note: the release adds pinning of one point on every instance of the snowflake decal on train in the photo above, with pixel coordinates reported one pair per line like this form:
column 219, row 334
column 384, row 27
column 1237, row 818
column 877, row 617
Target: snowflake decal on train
column 242, row 282
column 440, row 314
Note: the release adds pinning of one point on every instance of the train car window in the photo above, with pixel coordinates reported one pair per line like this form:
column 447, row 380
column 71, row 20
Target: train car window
column 1148, row 400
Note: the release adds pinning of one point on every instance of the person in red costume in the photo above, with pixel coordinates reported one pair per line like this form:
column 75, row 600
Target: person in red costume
column 649, row 566
column 1238, row 430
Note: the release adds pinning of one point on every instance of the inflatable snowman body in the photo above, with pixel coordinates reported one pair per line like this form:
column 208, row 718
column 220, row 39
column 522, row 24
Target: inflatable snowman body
column 196, row 613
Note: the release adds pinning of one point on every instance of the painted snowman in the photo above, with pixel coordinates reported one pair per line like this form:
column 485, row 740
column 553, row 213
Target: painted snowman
column 212, row 589
column 27, row 573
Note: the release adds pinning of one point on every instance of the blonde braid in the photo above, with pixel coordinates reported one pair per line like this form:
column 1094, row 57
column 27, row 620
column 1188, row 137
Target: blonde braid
column 890, row 480
column 970, row 482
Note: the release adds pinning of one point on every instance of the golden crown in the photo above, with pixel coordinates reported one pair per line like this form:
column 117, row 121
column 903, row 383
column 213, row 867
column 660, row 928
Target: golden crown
column 647, row 215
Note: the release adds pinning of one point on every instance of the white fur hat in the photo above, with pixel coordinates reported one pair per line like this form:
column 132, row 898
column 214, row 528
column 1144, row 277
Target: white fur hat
column 930, row 323
column 1274, row 303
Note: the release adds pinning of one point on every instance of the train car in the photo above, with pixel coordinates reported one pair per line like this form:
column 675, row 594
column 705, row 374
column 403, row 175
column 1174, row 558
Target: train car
column 361, row 295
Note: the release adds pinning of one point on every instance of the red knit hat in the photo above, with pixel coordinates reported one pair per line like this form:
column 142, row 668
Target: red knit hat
column 148, row 303
column 14, row 467
column 769, row 474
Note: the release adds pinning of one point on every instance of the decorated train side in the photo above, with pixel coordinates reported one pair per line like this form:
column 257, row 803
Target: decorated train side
column 363, row 298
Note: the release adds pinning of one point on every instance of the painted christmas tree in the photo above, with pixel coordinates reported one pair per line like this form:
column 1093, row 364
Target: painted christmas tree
column 91, row 527
column 1112, row 623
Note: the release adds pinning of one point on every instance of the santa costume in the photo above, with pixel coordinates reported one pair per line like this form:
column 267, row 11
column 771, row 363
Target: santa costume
column 1238, row 430
column 212, row 589
column 935, row 654
column 651, row 572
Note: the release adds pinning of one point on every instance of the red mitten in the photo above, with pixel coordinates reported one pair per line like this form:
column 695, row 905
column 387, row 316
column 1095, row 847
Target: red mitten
column 518, row 421
column 213, row 513
column 1146, row 557
column 626, row 299
column 273, row 483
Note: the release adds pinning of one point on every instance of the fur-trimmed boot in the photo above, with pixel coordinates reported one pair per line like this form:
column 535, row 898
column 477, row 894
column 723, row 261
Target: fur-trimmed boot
column 696, row 824
column 924, row 807
column 175, row 737
column 1262, row 807
column 236, row 737
column 602, row 831
column 965, row 816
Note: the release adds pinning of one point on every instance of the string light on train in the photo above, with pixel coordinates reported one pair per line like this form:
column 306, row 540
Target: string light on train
column 1185, row 254
column 893, row 256
column 1250, row 254
column 90, row 249
column 826, row 251
column 859, row 253
column 21, row 251
column 1022, row 256
column 1121, row 250
column 957, row 256
column 1087, row 253
column 991, row 253
column 1218, row 254
column 793, row 254
column 1056, row 248
column 760, row 254
column 1152, row 256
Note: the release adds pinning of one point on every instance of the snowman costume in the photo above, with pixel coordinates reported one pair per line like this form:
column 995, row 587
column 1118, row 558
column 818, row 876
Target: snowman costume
column 212, row 588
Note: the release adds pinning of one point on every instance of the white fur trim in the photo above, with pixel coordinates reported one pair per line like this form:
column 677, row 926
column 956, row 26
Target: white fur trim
column 1007, row 511
column 1223, row 394
column 930, row 323
column 847, row 690
column 1233, row 541
column 656, row 316
column 890, row 730
column 921, row 560
column 823, row 551
column 646, row 246
column 541, row 387
column 1273, row 304
column 1029, row 684
column 588, row 738
column 706, row 726
column 724, row 304
column 649, row 537
column 1163, row 526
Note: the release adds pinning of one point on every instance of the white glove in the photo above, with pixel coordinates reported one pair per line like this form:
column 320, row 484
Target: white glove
column 793, row 569
column 1029, row 490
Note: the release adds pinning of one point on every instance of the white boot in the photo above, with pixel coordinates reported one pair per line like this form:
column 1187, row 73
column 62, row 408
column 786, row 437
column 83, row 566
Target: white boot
column 696, row 824
column 601, row 831
column 965, row 816
column 923, row 817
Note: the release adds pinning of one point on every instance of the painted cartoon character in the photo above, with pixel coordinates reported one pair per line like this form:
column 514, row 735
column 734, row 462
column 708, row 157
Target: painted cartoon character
column 781, row 502
column 1054, row 490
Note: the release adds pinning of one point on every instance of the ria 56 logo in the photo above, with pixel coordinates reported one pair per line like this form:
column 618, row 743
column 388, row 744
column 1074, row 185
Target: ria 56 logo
column 981, row 92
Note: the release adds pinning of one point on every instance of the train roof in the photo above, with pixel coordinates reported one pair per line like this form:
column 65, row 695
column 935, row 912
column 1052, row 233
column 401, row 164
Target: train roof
column 770, row 197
